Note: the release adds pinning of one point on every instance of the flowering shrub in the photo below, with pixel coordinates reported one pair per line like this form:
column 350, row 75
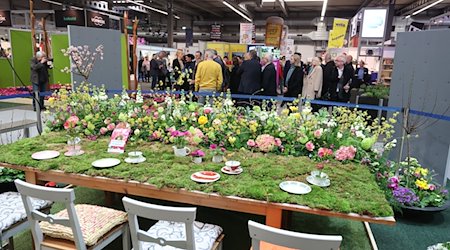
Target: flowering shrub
column 198, row 153
column 265, row 143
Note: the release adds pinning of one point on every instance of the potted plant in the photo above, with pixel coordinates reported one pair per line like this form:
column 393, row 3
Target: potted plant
column 217, row 153
column 73, row 142
column 7, row 177
column 197, row 156
column 179, row 139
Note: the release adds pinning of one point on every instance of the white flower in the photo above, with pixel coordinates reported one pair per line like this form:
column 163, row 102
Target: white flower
column 360, row 134
column 390, row 145
column 339, row 135
column 228, row 102
column 263, row 116
column 163, row 117
column 306, row 110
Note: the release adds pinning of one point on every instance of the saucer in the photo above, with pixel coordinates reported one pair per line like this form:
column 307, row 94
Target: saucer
column 106, row 163
column 295, row 187
column 313, row 180
column 226, row 170
column 135, row 160
column 205, row 176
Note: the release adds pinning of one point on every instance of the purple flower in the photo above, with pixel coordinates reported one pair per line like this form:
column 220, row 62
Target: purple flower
column 405, row 196
column 393, row 183
column 213, row 146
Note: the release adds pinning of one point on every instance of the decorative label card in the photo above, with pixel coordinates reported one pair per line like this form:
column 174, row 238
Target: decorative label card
column 119, row 139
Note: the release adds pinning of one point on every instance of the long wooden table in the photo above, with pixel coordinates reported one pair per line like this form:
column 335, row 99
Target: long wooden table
column 272, row 211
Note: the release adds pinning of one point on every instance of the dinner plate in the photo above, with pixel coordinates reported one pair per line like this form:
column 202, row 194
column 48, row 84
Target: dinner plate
column 313, row 180
column 45, row 155
column 226, row 170
column 135, row 160
column 106, row 163
column 295, row 187
column 205, row 176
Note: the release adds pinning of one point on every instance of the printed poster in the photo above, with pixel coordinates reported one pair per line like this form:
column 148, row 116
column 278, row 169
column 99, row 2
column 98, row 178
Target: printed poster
column 246, row 33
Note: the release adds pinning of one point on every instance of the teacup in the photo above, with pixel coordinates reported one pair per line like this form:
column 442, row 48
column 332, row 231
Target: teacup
column 232, row 165
column 135, row 155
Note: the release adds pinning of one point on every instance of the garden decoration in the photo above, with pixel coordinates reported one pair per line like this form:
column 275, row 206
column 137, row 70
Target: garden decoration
column 217, row 153
column 179, row 139
column 197, row 156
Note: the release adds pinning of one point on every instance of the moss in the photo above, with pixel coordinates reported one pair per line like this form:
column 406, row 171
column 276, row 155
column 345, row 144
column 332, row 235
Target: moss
column 353, row 187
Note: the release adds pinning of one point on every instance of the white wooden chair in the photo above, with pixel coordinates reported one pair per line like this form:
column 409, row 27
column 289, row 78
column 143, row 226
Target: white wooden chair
column 288, row 239
column 78, row 227
column 176, row 228
column 13, row 217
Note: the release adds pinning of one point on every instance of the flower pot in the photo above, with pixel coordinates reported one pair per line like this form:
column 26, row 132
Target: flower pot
column 197, row 160
column 425, row 209
column 217, row 158
column 181, row 152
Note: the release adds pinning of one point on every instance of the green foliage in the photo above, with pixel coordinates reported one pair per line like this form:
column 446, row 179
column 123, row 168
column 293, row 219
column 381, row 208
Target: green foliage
column 353, row 188
column 9, row 175
column 378, row 91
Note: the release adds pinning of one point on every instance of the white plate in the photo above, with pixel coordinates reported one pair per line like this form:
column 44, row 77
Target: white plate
column 71, row 154
column 201, row 180
column 295, row 187
column 45, row 155
column 106, row 163
column 135, row 160
column 226, row 170
column 313, row 180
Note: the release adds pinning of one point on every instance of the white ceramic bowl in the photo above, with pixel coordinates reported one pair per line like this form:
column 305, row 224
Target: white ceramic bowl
column 233, row 165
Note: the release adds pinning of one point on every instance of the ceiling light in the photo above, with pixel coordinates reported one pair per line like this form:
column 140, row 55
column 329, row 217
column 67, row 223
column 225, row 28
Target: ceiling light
column 151, row 8
column 183, row 28
column 292, row 1
column 426, row 7
column 324, row 10
column 408, row 16
column 237, row 11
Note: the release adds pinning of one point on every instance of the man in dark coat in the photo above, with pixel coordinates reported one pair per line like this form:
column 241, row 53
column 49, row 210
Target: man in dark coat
column 361, row 75
column 235, row 78
column 268, row 77
column 39, row 76
column 225, row 72
column 342, row 85
column 250, row 72
column 329, row 75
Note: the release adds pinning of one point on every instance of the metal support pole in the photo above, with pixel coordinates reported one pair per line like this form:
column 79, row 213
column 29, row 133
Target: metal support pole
column 380, row 103
column 38, row 111
column 170, row 23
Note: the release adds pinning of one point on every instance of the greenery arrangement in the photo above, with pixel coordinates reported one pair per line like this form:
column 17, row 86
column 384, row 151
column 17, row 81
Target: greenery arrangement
column 378, row 91
column 354, row 188
column 8, row 175
column 440, row 246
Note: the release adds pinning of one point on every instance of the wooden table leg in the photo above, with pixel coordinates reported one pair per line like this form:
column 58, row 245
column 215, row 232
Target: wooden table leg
column 31, row 177
column 287, row 219
column 274, row 217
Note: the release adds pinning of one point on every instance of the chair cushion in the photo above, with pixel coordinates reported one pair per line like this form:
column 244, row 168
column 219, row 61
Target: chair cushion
column 12, row 209
column 267, row 246
column 95, row 222
column 205, row 234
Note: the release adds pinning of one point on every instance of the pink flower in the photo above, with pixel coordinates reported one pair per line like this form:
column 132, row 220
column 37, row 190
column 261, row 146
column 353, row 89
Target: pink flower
column 251, row 143
column 277, row 142
column 103, row 130
column 432, row 187
column 345, row 153
column 171, row 129
column 265, row 142
column 319, row 166
column 310, row 146
column 71, row 122
column 207, row 110
column 213, row 146
column 324, row 152
column 318, row 133
column 111, row 126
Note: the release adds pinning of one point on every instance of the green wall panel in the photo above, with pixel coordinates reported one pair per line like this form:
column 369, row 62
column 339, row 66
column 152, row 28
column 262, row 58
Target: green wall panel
column 60, row 41
column 6, row 74
column 22, row 52
column 125, row 76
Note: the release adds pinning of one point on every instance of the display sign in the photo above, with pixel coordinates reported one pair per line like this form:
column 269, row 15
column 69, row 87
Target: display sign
column 69, row 17
column 354, row 26
column 246, row 33
column 374, row 23
column 216, row 33
column 97, row 20
column 5, row 18
column 119, row 139
column 336, row 36
column 273, row 34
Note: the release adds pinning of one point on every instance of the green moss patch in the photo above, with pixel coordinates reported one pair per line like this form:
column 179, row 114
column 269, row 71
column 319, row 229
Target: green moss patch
column 353, row 187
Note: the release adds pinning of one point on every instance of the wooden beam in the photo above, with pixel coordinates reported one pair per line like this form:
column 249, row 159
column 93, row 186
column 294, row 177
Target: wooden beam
column 135, row 26
column 33, row 30
column 125, row 21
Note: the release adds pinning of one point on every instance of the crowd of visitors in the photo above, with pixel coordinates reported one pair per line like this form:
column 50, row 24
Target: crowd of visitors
column 251, row 75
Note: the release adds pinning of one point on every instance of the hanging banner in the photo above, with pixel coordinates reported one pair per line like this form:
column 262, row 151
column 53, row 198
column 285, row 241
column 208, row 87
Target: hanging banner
column 97, row 20
column 5, row 18
column 189, row 37
column 246, row 33
column 69, row 17
column 374, row 23
column 336, row 36
column 273, row 34
column 216, row 33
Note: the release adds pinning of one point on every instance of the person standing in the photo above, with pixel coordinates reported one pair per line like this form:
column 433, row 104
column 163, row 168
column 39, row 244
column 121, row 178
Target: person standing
column 269, row 76
column 146, row 69
column 294, row 77
column 349, row 65
column 154, row 71
column 178, row 64
column 163, row 70
column 312, row 88
column 361, row 75
column 141, row 72
column 225, row 72
column 39, row 77
column 188, row 70
column 343, row 81
column 208, row 77
column 250, row 73
column 329, row 75
column 235, row 78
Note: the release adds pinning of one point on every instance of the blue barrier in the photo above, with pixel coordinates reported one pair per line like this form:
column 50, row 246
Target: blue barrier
column 258, row 97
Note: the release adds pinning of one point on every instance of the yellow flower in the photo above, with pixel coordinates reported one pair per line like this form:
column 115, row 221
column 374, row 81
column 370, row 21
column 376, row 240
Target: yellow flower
column 231, row 139
column 421, row 171
column 285, row 112
column 202, row 120
column 422, row 184
column 184, row 119
column 293, row 108
column 51, row 100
